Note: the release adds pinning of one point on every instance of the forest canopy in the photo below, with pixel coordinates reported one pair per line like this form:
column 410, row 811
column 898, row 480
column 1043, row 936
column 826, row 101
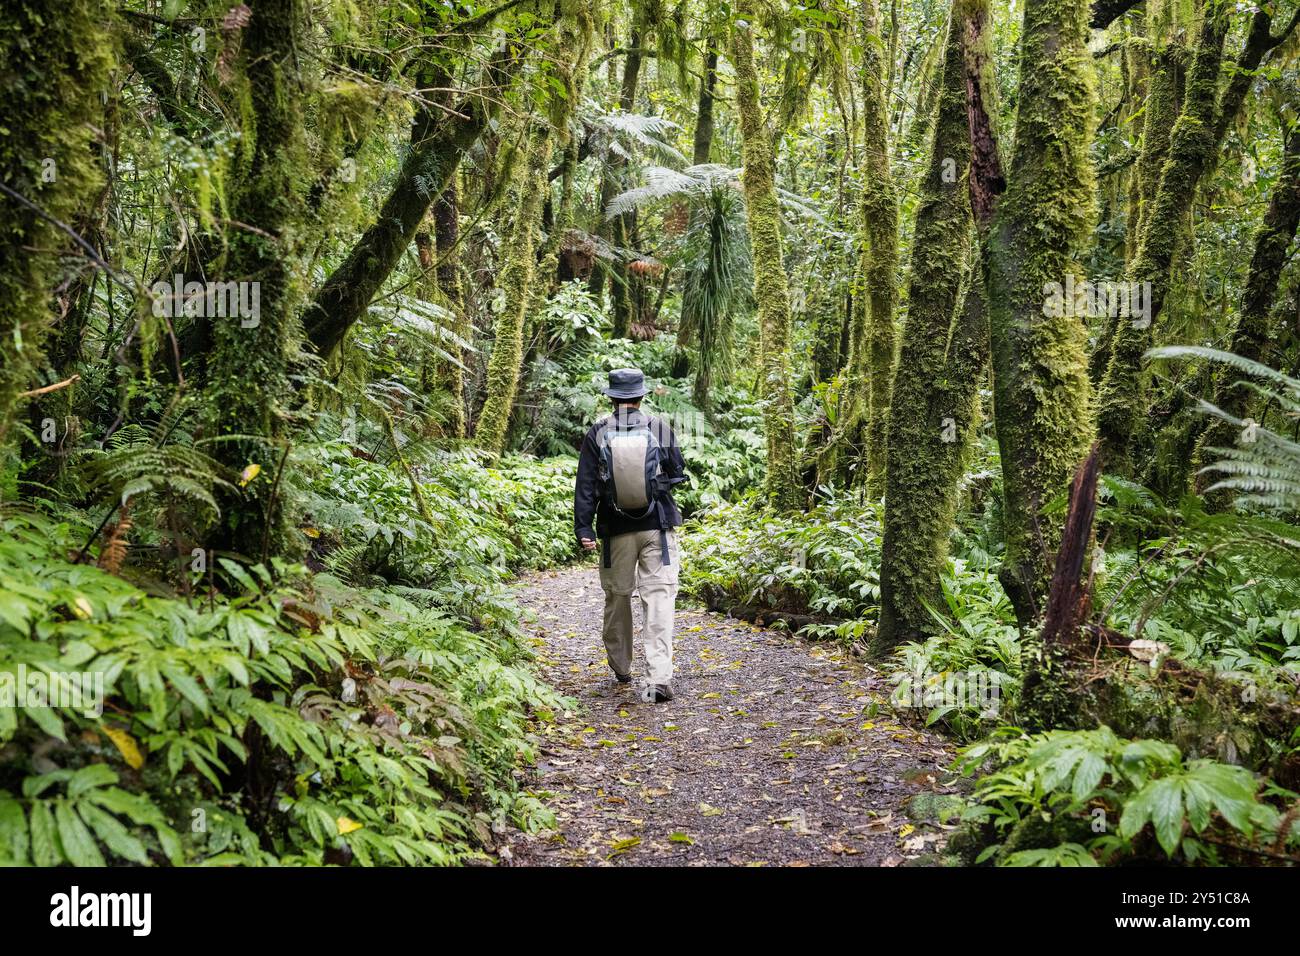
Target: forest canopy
column 979, row 322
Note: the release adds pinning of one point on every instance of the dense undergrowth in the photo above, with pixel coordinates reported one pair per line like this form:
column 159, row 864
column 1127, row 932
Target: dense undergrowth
column 1188, row 748
column 368, row 704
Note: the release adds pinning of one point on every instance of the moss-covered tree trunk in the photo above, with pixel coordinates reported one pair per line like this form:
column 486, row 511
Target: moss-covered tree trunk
column 1192, row 145
column 1168, row 439
column 702, row 139
column 701, row 149
column 880, row 235
column 437, row 149
column 1165, row 92
column 1160, row 111
column 506, row 360
column 446, row 243
column 622, row 282
column 248, row 367
column 572, row 74
column 1041, row 390
column 516, row 280
column 1250, row 335
column 55, row 60
column 771, row 290
column 943, row 351
column 1137, row 65
column 442, row 378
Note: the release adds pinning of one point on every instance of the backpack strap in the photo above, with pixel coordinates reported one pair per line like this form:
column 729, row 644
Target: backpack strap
column 665, row 558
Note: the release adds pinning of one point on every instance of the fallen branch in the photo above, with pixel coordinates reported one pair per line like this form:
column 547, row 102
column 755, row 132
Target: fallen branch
column 37, row 392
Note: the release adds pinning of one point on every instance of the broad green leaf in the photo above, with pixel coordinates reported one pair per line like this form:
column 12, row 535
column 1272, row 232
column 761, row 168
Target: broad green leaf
column 13, row 832
column 88, row 777
column 45, row 837
column 79, row 846
column 114, row 836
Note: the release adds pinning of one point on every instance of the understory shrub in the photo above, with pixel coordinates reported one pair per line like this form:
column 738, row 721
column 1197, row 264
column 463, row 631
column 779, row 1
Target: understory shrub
column 1083, row 798
column 371, row 708
column 825, row 562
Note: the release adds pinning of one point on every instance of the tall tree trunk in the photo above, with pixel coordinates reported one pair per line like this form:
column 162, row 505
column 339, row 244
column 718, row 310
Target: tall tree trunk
column 703, row 139
column 1165, row 90
column 573, row 77
column 1250, row 334
column 622, row 282
column 506, row 360
column 1192, row 145
column 516, row 279
column 56, row 58
column 1168, row 438
column 1165, row 94
column 248, row 368
column 702, row 147
column 1041, row 389
column 880, row 232
column 770, row 287
column 943, row 352
column 439, row 259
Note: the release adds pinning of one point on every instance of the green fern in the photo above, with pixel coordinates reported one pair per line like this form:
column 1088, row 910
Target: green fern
column 1263, row 469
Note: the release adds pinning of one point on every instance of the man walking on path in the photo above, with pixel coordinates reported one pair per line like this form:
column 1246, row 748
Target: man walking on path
column 626, row 469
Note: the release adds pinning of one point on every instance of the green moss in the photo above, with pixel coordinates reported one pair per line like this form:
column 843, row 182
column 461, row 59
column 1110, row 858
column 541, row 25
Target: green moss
column 1041, row 387
column 516, row 277
column 520, row 266
column 935, row 400
column 880, row 235
column 1193, row 143
column 770, row 287
column 1250, row 334
column 55, row 58
column 249, row 366
column 451, row 294
column 1161, row 114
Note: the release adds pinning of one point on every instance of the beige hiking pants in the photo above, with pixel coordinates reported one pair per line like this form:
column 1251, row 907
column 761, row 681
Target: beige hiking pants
column 636, row 564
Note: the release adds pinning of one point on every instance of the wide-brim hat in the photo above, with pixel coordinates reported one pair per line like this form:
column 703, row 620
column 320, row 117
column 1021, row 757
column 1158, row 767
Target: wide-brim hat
column 626, row 383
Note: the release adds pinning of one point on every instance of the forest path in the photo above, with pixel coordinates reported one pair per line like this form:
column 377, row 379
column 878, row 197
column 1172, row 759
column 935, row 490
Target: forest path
column 775, row 750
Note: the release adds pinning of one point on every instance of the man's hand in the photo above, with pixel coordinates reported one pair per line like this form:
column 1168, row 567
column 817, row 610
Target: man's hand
column 587, row 544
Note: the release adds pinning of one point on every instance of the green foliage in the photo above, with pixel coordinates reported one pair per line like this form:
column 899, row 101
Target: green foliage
column 1263, row 469
column 160, row 470
column 713, row 250
column 1219, row 589
column 303, row 719
column 573, row 320
column 978, row 651
column 825, row 562
column 1075, row 798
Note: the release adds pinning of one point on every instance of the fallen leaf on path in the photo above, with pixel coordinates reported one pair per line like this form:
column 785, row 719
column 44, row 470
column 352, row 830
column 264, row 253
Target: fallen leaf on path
column 620, row 847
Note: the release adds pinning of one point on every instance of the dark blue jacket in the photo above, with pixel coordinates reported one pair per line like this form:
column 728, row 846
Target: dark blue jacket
column 589, row 510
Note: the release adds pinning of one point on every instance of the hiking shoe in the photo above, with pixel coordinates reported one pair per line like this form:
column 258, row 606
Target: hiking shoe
column 657, row 693
column 622, row 678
